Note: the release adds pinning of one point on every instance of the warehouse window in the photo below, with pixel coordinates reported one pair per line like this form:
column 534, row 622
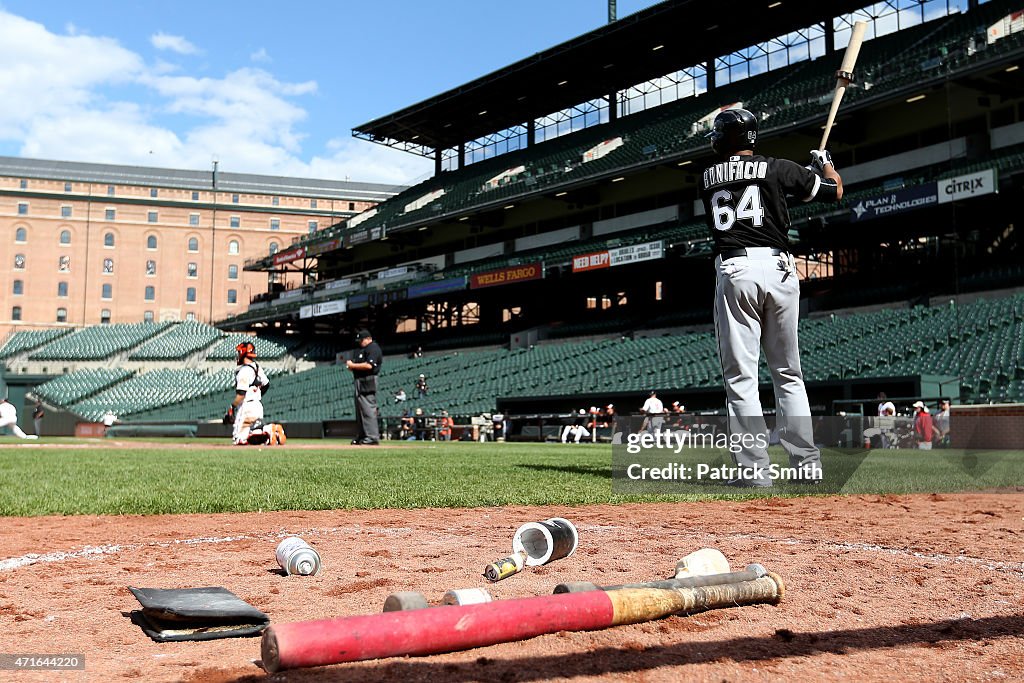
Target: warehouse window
column 312, row 203
column 151, row 242
column 65, row 237
column 110, row 214
column 108, row 239
column 22, row 208
column 236, row 222
column 65, row 211
column 151, row 267
column 193, row 219
column 21, row 235
column 108, row 265
column 193, row 244
column 64, row 264
column 275, row 223
column 19, row 287
column 273, row 248
column 193, row 270
column 232, row 296
column 276, row 201
column 16, row 313
column 110, row 190
column 190, row 295
column 195, row 196
column 233, row 247
column 62, row 315
column 234, row 199
column 67, row 187
column 153, row 192
column 312, row 227
column 23, row 184
column 150, row 293
column 147, row 316
column 105, row 316
column 62, row 289
column 232, row 272
column 19, row 262
column 107, row 291
column 151, row 217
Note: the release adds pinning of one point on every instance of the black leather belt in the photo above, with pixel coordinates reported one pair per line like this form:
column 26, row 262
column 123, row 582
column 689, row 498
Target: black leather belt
column 735, row 253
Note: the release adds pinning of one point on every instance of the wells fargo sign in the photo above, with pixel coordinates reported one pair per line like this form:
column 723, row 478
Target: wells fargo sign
column 506, row 276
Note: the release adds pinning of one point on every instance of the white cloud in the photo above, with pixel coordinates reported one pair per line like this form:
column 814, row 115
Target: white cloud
column 86, row 98
column 164, row 41
column 261, row 56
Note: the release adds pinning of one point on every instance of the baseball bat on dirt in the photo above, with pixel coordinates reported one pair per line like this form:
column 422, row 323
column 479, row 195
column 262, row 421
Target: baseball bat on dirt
column 844, row 77
column 451, row 628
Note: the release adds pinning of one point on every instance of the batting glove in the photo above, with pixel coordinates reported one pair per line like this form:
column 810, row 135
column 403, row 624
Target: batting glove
column 819, row 159
column 229, row 417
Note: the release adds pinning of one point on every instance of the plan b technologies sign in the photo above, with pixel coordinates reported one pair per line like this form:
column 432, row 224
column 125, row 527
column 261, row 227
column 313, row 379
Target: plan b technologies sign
column 619, row 256
column 942, row 192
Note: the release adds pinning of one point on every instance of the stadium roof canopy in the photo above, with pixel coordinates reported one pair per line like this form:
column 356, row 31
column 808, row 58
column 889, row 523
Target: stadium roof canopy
column 608, row 59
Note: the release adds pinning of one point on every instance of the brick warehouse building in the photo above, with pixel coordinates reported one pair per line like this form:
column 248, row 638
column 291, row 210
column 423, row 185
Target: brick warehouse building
column 91, row 243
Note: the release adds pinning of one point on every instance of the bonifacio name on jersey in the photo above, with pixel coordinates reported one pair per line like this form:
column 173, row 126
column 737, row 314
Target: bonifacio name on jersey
column 733, row 170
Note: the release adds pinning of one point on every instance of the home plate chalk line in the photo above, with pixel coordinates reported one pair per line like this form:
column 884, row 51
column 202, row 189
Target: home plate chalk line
column 91, row 551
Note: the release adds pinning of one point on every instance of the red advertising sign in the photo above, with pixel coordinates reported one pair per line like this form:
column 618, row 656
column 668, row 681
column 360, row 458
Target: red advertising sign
column 506, row 276
column 585, row 262
column 289, row 256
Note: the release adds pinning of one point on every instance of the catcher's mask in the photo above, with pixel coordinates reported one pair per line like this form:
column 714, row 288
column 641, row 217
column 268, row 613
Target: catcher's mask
column 245, row 350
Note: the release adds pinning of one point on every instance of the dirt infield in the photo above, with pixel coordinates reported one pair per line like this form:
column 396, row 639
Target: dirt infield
column 880, row 588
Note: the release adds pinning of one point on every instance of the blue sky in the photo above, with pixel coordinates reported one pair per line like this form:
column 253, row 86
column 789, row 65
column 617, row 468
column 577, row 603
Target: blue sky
column 264, row 87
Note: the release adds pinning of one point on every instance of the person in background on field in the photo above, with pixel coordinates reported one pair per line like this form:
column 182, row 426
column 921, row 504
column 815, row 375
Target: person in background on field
column 444, row 426
column 9, row 418
column 654, row 413
column 941, row 421
column 365, row 366
column 108, row 420
column 400, row 396
column 886, row 408
column 246, row 410
column 923, row 426
column 37, row 417
column 421, row 386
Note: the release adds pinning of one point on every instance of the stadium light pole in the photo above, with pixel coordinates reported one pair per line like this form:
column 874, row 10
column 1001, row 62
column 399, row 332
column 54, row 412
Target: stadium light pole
column 213, row 239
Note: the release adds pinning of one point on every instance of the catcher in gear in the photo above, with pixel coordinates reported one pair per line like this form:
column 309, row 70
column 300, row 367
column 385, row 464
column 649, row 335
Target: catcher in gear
column 250, row 385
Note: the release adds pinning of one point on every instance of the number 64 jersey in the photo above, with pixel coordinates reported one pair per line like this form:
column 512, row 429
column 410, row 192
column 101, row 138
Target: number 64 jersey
column 745, row 199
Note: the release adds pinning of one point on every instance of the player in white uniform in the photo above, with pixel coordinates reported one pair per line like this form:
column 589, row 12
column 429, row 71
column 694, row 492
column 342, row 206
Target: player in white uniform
column 250, row 385
column 9, row 418
column 654, row 409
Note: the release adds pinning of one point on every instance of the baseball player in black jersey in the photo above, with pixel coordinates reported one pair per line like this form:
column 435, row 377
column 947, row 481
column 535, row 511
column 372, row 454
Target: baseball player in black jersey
column 757, row 294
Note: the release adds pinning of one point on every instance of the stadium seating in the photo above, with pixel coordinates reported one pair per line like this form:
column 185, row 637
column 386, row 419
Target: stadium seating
column 182, row 340
column 26, row 340
column 73, row 387
column 99, row 342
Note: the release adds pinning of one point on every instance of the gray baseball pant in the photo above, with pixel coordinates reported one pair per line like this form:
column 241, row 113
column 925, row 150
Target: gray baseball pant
column 757, row 306
column 366, row 414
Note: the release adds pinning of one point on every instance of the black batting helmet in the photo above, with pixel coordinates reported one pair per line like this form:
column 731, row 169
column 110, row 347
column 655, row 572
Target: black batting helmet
column 733, row 130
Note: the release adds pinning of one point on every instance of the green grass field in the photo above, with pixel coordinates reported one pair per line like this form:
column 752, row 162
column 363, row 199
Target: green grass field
column 68, row 480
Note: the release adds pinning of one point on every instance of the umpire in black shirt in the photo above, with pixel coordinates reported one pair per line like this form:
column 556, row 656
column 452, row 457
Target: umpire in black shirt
column 365, row 366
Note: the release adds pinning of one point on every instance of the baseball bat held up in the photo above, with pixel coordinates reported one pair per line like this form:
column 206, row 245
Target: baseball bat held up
column 843, row 78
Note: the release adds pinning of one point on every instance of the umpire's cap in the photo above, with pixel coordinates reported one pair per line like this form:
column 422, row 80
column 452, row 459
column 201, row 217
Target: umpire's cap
column 733, row 130
column 362, row 334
